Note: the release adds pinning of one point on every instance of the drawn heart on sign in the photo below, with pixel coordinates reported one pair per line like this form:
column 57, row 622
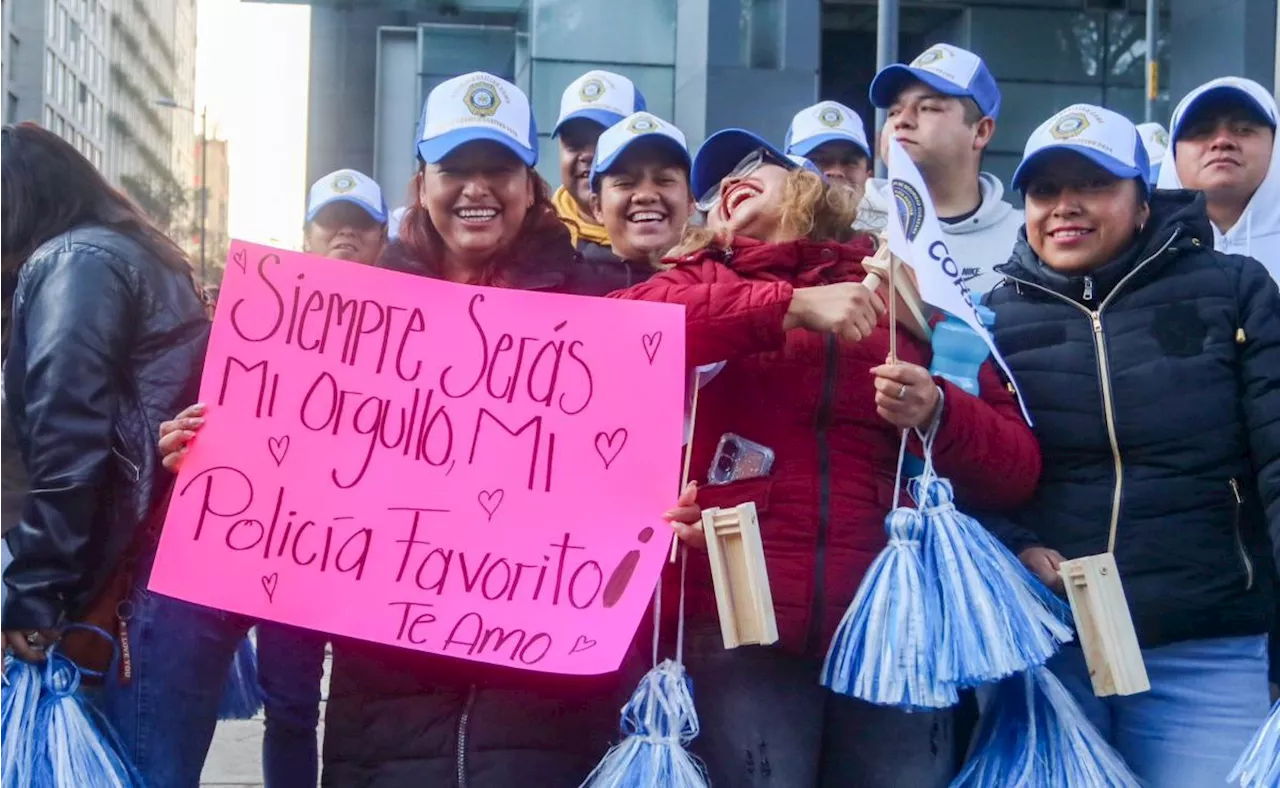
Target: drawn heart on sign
column 490, row 501
column 269, row 585
column 609, row 446
column 651, row 344
column 278, row 448
column 582, row 644
column 240, row 258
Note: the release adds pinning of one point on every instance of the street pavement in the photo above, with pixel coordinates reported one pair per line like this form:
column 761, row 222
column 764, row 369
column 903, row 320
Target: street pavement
column 235, row 758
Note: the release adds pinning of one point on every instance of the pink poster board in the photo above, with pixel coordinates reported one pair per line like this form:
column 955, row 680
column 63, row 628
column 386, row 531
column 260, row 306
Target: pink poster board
column 473, row 472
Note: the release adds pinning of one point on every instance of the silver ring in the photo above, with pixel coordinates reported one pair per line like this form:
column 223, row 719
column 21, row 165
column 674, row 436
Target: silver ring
column 902, row 392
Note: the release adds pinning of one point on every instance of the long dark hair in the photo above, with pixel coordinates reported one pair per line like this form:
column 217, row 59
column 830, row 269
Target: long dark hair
column 542, row 238
column 47, row 188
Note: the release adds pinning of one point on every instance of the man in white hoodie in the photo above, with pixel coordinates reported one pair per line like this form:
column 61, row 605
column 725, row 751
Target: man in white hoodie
column 1224, row 144
column 942, row 109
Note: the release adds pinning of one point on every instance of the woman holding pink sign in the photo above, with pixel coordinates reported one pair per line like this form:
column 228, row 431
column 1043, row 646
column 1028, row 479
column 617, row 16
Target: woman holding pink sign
column 772, row 287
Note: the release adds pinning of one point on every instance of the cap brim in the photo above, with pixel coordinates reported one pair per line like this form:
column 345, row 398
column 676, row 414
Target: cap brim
column 1224, row 94
column 602, row 116
column 892, row 79
column 721, row 153
column 1108, row 163
column 806, row 146
column 433, row 150
column 603, row 166
column 379, row 214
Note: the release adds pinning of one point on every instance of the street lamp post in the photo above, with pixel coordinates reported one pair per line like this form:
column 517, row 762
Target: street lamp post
column 204, row 171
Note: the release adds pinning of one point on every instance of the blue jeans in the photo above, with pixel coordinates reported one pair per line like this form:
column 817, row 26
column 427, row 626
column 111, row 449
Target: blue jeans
column 290, row 664
column 167, row 713
column 768, row 723
column 1207, row 699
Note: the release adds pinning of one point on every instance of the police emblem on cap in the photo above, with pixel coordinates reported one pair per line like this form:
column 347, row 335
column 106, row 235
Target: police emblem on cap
column 910, row 206
column 343, row 183
column 1069, row 125
column 591, row 90
column 830, row 117
column 642, row 125
column 930, row 56
column 1161, row 138
column 482, row 99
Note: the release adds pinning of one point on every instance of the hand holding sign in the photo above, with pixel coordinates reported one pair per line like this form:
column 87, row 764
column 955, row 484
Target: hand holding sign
column 451, row 469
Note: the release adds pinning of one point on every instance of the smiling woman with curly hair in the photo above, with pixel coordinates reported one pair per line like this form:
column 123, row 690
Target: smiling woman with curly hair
column 772, row 287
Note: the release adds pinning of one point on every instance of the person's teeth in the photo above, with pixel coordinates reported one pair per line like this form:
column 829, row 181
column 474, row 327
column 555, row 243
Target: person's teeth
column 646, row 216
column 477, row 214
column 1069, row 233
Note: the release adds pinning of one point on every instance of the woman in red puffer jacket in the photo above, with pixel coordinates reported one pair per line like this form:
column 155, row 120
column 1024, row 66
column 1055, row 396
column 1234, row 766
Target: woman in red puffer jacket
column 804, row 346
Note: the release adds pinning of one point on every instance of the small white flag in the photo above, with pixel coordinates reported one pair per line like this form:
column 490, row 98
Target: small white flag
column 916, row 238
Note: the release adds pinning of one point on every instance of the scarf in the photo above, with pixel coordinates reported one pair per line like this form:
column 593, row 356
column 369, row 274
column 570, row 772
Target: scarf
column 579, row 227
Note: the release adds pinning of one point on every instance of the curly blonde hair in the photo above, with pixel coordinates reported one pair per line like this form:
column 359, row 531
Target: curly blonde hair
column 811, row 208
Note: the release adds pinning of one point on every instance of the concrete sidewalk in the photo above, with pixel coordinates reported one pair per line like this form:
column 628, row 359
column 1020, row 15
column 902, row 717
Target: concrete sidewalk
column 235, row 758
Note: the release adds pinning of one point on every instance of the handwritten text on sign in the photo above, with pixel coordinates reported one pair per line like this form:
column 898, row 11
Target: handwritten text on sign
column 474, row 472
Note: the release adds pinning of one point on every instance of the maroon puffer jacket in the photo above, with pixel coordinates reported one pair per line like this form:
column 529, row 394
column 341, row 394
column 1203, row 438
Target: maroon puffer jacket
column 810, row 398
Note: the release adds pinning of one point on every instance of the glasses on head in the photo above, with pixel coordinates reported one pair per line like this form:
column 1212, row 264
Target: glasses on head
column 749, row 164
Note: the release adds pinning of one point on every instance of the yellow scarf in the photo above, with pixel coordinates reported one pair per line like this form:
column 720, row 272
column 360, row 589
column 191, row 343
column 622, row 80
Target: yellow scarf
column 578, row 226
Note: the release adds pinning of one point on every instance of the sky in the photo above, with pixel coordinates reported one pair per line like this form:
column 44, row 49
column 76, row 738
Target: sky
column 251, row 73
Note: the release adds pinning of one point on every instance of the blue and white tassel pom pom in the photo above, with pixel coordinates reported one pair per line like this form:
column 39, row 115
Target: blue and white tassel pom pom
column 657, row 723
column 881, row 652
column 242, row 694
column 1033, row 733
column 997, row 618
column 54, row 738
column 1259, row 766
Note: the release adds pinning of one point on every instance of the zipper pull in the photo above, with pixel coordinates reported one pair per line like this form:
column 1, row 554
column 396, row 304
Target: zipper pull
column 1235, row 490
column 1088, row 288
column 1240, row 337
column 1096, row 319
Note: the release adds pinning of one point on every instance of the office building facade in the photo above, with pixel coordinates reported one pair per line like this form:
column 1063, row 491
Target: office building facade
column 708, row 64
column 92, row 70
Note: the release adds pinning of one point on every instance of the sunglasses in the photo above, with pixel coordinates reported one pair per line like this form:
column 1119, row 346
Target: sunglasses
column 749, row 164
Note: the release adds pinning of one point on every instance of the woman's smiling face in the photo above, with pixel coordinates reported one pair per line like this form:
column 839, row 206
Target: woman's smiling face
column 751, row 205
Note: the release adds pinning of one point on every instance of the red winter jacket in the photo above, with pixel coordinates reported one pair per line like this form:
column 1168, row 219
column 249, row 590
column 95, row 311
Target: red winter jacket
column 810, row 398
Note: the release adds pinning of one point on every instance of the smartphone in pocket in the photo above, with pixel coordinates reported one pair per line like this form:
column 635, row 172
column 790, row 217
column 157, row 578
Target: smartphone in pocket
column 737, row 458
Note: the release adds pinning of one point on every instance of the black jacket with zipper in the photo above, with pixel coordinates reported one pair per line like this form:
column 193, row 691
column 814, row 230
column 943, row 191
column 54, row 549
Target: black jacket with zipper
column 106, row 342
column 1154, row 382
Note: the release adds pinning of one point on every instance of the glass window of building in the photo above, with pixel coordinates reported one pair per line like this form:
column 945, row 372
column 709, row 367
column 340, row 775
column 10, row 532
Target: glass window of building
column 50, row 66
column 52, row 22
column 62, row 28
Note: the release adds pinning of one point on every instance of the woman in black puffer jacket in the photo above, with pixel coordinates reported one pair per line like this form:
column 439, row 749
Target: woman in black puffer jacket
column 1151, row 365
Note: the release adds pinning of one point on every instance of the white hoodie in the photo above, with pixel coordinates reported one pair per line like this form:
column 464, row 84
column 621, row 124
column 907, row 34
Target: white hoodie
column 1257, row 232
column 979, row 243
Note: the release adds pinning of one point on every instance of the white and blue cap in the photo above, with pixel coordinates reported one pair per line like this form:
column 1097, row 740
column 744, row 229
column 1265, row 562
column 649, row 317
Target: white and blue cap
column 347, row 186
column 476, row 106
column 947, row 69
column 1225, row 90
column 600, row 96
column 721, row 153
column 826, row 121
column 1106, row 138
column 1155, row 139
column 622, row 135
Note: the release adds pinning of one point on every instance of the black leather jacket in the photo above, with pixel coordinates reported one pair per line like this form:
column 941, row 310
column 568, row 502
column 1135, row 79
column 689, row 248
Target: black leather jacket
column 106, row 342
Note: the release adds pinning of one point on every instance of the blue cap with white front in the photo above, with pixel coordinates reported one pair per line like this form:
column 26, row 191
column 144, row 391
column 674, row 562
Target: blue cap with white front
column 826, row 121
column 947, row 69
column 622, row 135
column 600, row 96
column 1106, row 138
column 1225, row 91
column 476, row 106
column 721, row 153
column 347, row 186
